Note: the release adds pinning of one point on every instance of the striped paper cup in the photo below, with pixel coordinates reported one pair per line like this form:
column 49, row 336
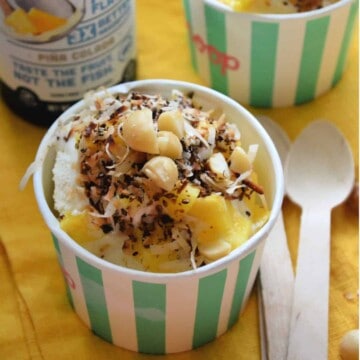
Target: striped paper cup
column 266, row 60
column 162, row 313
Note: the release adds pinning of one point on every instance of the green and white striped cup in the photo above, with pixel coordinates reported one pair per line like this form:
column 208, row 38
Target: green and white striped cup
column 267, row 60
column 162, row 313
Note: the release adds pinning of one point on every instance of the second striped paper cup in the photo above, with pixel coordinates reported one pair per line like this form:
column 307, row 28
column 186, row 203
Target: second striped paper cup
column 163, row 313
column 266, row 60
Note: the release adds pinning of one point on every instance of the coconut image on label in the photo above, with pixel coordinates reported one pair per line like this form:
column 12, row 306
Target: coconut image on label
column 39, row 20
column 55, row 52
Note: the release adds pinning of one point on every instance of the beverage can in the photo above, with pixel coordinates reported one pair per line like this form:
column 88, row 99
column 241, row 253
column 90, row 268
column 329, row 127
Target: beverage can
column 53, row 52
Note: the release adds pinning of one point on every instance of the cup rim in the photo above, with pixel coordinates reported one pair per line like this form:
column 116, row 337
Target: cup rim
column 278, row 17
column 250, row 245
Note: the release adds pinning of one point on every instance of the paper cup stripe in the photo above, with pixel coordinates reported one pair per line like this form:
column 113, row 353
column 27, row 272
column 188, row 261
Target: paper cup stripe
column 210, row 294
column 252, row 276
column 264, row 38
column 229, row 293
column 216, row 36
column 238, row 73
column 331, row 51
column 245, row 267
column 72, row 279
column 61, row 263
column 150, row 310
column 92, row 284
column 57, row 247
column 197, row 38
column 189, row 21
column 120, row 305
column 181, row 299
column 345, row 43
column 289, row 49
column 314, row 42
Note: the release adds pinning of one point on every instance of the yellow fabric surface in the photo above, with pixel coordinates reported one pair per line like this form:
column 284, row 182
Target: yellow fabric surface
column 36, row 320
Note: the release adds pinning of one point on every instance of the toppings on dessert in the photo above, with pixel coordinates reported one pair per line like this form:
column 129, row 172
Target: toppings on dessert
column 168, row 185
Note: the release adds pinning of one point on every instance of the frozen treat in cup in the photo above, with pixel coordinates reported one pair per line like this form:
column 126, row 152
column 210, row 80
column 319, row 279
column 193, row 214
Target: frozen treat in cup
column 266, row 59
column 147, row 264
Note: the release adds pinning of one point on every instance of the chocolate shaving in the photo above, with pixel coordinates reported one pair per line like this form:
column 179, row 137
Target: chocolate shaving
column 257, row 188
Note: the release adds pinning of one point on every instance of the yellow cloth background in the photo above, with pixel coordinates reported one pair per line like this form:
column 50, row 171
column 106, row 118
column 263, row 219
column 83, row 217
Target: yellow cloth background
column 36, row 321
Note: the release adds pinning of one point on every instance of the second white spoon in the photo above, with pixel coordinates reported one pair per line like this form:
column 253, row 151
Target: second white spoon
column 319, row 176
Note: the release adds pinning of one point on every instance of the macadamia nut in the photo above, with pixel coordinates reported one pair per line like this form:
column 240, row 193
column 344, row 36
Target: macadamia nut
column 172, row 121
column 139, row 132
column 219, row 166
column 162, row 171
column 349, row 346
column 169, row 145
column 239, row 161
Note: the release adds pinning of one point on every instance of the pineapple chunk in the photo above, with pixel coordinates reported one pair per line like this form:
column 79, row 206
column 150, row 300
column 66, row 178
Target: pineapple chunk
column 44, row 21
column 259, row 212
column 20, row 22
column 80, row 227
column 238, row 5
column 182, row 202
column 221, row 227
column 34, row 22
column 214, row 220
column 241, row 228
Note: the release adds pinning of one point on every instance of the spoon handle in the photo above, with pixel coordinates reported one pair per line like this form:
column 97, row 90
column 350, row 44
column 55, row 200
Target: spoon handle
column 276, row 283
column 309, row 320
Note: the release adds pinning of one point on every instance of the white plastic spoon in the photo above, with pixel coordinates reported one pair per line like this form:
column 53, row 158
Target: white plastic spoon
column 276, row 272
column 320, row 175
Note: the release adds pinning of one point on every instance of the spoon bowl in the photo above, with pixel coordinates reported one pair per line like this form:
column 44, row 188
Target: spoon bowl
column 321, row 171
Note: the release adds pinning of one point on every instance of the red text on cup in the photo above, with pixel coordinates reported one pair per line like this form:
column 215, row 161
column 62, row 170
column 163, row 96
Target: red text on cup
column 226, row 61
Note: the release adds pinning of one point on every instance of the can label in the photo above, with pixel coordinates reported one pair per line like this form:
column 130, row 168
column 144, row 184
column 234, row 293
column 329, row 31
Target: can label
column 59, row 51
